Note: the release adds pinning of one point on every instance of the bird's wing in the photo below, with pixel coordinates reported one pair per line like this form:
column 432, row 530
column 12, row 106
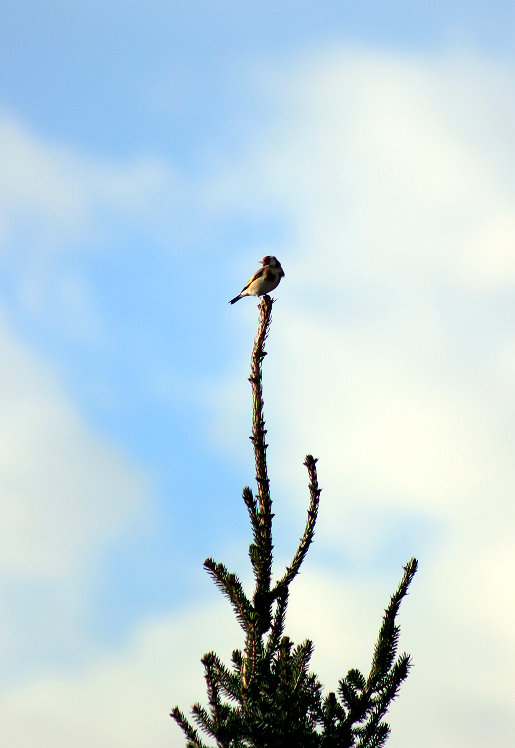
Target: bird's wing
column 256, row 275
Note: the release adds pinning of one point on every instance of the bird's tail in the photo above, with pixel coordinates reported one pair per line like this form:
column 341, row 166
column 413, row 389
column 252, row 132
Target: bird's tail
column 236, row 298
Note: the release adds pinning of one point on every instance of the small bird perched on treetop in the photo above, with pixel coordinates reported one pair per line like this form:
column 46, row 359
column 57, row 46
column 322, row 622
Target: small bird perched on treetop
column 264, row 280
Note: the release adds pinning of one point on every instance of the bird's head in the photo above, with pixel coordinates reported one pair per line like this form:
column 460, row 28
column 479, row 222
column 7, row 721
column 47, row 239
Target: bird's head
column 272, row 262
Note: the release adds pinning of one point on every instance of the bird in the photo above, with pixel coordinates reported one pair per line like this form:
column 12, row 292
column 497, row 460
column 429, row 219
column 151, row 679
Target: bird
column 264, row 280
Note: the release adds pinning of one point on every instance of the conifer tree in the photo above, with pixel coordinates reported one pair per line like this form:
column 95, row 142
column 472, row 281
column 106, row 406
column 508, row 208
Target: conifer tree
column 267, row 697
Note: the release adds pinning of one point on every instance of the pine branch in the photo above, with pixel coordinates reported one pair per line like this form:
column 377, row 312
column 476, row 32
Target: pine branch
column 203, row 720
column 228, row 682
column 232, row 589
column 309, row 531
column 356, row 699
column 335, row 732
column 301, row 657
column 375, row 736
column 250, row 655
column 213, row 691
column 191, row 734
column 387, row 641
column 390, row 686
column 237, row 659
column 252, row 506
column 277, row 629
column 368, row 701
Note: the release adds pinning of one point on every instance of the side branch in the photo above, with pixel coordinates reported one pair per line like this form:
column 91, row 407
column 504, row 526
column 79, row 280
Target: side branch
column 232, row 589
column 188, row 729
column 309, row 531
column 387, row 641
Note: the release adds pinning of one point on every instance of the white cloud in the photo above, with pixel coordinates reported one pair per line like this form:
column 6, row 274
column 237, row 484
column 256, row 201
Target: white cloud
column 65, row 490
column 61, row 207
column 390, row 352
column 123, row 699
column 491, row 259
column 388, row 168
column 387, row 417
column 58, row 197
column 67, row 494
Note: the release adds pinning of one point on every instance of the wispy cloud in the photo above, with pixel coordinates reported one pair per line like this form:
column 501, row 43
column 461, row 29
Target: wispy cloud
column 64, row 491
column 62, row 198
column 67, row 495
column 390, row 359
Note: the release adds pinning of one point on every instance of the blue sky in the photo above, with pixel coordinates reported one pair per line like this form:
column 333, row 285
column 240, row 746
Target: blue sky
column 150, row 155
